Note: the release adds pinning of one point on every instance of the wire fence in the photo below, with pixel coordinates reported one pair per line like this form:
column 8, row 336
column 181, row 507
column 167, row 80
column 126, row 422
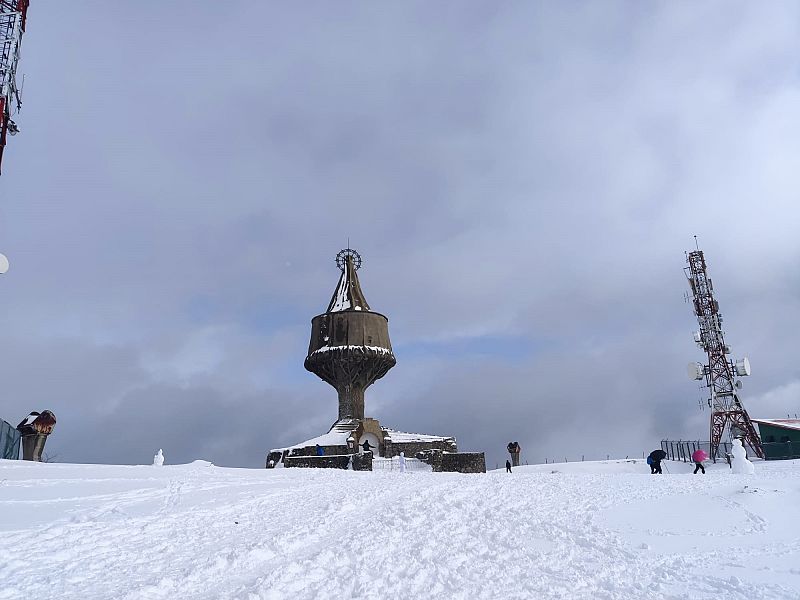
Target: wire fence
column 9, row 441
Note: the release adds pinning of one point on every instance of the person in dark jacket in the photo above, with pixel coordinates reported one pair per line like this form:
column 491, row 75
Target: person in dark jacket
column 656, row 456
column 508, row 466
column 320, row 450
column 367, row 446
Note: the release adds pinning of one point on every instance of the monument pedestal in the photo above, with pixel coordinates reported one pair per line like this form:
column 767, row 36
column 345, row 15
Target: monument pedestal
column 33, row 446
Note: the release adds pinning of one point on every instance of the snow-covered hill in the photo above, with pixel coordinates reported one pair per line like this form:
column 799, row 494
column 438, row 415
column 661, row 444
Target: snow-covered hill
column 577, row 530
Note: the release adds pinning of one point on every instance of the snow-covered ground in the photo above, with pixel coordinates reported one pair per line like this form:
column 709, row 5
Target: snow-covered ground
column 577, row 530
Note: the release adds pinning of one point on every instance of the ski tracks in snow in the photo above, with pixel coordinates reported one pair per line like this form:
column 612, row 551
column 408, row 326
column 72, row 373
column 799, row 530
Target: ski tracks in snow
column 200, row 532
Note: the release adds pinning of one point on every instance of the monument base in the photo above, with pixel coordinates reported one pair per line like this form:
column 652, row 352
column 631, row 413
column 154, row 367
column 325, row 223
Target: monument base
column 357, row 438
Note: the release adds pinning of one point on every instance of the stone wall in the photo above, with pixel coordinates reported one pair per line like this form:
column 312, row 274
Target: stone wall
column 431, row 457
column 341, row 461
column 312, row 450
column 464, row 462
column 412, row 448
column 274, row 457
column 362, row 462
column 453, row 462
column 439, row 460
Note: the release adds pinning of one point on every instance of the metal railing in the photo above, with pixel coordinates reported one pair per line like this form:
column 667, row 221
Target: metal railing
column 9, row 441
column 393, row 464
column 682, row 449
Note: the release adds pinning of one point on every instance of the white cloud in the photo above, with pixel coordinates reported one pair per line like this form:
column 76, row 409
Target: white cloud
column 533, row 171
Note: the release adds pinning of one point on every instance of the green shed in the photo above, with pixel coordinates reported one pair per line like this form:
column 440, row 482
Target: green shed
column 780, row 438
column 9, row 441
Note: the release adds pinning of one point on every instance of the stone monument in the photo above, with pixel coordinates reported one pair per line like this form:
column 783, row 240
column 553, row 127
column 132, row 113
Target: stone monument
column 350, row 350
column 349, row 346
column 34, row 429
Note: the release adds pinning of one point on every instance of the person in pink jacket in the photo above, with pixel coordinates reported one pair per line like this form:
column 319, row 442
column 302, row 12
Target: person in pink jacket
column 698, row 456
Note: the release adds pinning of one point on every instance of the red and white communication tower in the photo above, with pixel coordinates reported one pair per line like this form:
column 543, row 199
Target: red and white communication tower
column 12, row 26
column 720, row 374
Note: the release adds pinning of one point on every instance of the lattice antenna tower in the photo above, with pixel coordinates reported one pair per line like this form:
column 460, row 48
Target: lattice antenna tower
column 13, row 14
column 727, row 412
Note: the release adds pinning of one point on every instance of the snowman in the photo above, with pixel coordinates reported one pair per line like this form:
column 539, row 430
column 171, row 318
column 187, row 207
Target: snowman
column 158, row 459
column 739, row 462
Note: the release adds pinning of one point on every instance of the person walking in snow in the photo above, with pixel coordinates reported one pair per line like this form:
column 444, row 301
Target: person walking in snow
column 508, row 466
column 320, row 450
column 698, row 456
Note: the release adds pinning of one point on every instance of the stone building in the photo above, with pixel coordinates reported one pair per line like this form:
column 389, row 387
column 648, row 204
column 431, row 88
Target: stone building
column 350, row 349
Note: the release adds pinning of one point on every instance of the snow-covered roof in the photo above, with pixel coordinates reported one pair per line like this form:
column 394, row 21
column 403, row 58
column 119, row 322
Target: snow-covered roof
column 332, row 438
column 339, row 438
column 783, row 423
column 403, row 437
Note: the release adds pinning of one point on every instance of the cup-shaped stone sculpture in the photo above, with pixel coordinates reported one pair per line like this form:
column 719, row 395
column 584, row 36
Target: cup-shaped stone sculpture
column 350, row 347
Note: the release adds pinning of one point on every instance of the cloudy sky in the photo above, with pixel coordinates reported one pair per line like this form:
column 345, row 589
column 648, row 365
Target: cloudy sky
column 522, row 180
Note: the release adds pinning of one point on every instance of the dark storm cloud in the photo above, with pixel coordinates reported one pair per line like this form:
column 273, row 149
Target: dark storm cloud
column 522, row 181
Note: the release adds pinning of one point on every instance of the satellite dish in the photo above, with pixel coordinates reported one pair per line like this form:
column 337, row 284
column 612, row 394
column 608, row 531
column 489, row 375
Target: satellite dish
column 738, row 384
column 3, row 264
column 743, row 367
column 695, row 370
